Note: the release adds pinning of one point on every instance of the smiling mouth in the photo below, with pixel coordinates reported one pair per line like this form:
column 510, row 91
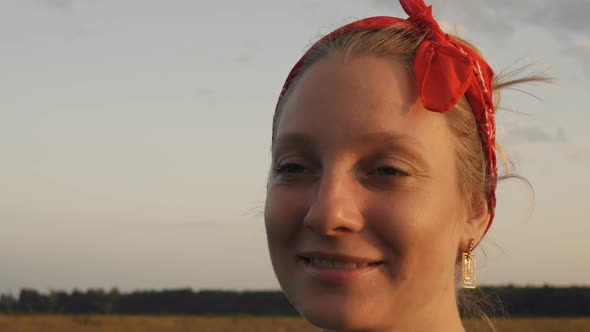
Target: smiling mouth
column 324, row 263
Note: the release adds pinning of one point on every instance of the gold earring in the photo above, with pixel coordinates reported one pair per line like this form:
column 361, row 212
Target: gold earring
column 468, row 268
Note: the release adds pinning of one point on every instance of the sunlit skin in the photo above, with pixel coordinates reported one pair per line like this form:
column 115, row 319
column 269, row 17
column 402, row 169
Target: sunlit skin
column 360, row 168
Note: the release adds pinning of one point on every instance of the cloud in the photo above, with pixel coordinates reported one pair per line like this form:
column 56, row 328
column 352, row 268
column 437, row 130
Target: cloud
column 533, row 134
column 195, row 224
column 581, row 49
column 64, row 6
column 205, row 92
column 57, row 5
column 203, row 224
column 584, row 45
column 583, row 54
column 569, row 16
column 578, row 151
column 244, row 59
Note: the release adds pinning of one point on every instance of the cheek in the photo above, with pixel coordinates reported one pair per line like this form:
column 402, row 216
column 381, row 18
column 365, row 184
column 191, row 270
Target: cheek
column 417, row 225
column 283, row 214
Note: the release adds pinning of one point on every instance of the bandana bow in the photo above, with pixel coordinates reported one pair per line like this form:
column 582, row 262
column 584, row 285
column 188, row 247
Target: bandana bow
column 445, row 70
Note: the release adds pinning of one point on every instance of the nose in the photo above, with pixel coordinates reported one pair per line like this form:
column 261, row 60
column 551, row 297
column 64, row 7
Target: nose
column 334, row 209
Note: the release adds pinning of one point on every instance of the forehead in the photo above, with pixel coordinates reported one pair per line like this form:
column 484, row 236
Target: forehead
column 337, row 102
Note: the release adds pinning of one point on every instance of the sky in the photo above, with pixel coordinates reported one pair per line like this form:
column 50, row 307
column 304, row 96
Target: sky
column 135, row 137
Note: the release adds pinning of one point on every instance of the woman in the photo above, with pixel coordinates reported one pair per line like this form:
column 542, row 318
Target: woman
column 383, row 175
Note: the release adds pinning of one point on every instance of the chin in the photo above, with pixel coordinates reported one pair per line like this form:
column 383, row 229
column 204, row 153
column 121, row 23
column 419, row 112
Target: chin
column 333, row 322
column 335, row 311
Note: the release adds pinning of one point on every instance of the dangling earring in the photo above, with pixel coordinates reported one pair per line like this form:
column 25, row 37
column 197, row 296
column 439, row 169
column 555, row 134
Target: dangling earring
column 468, row 268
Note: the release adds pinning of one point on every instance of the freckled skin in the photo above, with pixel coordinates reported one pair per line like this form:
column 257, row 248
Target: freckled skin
column 336, row 201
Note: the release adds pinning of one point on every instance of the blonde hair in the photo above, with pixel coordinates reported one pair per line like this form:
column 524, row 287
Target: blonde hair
column 401, row 42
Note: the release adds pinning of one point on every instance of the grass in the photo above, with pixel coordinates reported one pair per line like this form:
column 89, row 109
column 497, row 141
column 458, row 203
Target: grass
column 113, row 323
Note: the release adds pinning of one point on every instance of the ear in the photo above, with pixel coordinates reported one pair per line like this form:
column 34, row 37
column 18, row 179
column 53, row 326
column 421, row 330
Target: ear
column 476, row 223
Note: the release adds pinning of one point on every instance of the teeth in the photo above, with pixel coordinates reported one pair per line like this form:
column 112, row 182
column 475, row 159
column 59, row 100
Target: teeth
column 326, row 263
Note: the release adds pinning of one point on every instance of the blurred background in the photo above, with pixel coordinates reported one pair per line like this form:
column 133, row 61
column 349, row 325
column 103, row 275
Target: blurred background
column 135, row 137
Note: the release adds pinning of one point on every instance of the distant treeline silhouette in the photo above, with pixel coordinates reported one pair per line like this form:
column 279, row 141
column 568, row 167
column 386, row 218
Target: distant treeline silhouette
column 513, row 301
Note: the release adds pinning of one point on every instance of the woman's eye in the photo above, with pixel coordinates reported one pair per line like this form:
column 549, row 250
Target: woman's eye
column 289, row 169
column 388, row 171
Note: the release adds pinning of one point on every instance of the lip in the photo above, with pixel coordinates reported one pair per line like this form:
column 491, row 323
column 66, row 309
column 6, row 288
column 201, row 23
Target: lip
column 338, row 257
column 334, row 275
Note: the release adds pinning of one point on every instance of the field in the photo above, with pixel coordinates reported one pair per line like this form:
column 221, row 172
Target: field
column 48, row 323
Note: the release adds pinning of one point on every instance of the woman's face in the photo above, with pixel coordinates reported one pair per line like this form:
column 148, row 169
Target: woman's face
column 364, row 212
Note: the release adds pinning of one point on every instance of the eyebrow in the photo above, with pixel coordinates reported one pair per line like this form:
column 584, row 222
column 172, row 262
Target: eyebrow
column 297, row 141
column 386, row 138
column 406, row 144
column 292, row 139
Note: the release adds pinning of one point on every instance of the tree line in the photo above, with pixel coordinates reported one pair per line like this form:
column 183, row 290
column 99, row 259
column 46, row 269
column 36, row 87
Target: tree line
column 512, row 301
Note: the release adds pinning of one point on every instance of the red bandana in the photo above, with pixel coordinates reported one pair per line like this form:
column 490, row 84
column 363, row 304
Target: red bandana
column 439, row 59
